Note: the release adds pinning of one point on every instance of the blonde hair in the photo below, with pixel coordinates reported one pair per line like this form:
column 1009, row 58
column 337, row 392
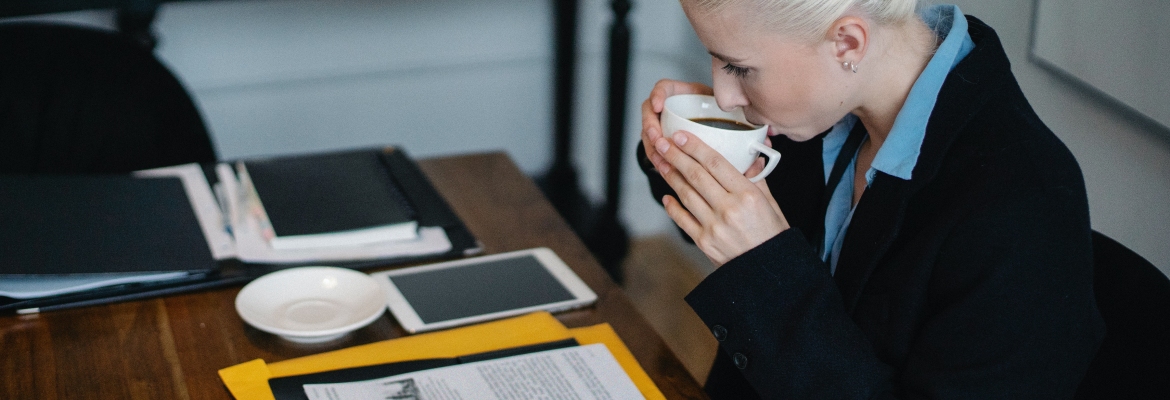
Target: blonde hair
column 811, row 19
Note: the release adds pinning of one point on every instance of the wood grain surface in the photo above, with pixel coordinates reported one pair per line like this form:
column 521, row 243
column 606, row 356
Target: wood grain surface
column 171, row 347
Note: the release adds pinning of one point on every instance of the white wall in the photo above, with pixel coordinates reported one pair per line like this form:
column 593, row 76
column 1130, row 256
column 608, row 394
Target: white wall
column 1083, row 38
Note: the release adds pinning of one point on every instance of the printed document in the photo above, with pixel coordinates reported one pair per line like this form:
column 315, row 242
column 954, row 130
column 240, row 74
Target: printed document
column 580, row 372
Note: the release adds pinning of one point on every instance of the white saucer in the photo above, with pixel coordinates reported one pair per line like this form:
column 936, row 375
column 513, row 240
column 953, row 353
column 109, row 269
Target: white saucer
column 311, row 304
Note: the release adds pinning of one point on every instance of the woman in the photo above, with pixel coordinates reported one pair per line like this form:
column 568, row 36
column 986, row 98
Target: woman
column 925, row 235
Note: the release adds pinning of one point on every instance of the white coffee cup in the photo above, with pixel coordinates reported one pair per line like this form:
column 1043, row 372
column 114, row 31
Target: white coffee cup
column 739, row 147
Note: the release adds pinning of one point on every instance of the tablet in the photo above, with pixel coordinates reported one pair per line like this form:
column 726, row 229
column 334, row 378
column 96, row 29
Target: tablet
column 466, row 291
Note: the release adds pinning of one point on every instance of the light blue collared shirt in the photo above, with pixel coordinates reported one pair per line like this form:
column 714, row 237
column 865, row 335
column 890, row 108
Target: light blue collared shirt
column 899, row 153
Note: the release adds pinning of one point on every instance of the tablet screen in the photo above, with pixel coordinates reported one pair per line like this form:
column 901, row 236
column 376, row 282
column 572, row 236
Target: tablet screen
column 481, row 288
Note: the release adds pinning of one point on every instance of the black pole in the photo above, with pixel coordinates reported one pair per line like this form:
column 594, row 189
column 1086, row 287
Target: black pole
column 563, row 79
column 598, row 227
column 619, row 67
column 560, row 182
column 607, row 238
column 134, row 19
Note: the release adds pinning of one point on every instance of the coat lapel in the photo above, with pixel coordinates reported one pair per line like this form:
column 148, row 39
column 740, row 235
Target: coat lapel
column 877, row 220
column 875, row 225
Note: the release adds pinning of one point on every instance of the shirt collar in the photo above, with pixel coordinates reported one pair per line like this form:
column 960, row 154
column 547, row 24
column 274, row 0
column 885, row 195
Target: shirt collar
column 899, row 153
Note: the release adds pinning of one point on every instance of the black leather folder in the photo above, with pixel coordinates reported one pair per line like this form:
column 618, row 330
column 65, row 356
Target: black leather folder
column 64, row 224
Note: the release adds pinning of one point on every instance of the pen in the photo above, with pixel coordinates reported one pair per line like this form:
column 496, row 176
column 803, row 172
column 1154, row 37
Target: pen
column 137, row 295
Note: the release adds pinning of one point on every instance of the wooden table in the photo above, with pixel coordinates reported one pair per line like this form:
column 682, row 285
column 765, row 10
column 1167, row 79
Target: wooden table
column 171, row 348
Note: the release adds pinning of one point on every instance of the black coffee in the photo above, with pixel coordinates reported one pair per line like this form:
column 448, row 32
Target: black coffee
column 724, row 124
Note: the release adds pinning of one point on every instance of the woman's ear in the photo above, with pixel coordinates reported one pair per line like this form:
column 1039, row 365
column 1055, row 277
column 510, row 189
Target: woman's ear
column 850, row 38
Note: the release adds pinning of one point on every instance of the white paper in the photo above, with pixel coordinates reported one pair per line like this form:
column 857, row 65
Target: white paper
column 251, row 247
column 228, row 189
column 580, row 372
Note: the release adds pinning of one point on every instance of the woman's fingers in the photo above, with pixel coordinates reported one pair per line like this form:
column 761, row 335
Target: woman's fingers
column 684, row 186
column 756, row 168
column 700, row 176
column 651, row 131
column 693, row 228
column 682, row 217
column 693, row 160
column 657, row 101
column 652, row 107
column 667, row 87
column 651, row 112
column 651, row 126
column 724, row 212
column 725, row 176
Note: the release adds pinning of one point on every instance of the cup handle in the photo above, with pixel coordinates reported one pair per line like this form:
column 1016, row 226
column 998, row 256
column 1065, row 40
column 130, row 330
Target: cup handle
column 773, row 159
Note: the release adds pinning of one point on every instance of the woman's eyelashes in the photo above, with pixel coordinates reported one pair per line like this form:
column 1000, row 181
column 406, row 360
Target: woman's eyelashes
column 739, row 72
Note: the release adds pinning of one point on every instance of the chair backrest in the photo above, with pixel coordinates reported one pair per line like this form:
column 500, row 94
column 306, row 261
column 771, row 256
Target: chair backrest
column 1133, row 297
column 80, row 100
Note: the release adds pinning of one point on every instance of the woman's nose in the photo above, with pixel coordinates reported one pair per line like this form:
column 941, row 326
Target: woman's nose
column 728, row 92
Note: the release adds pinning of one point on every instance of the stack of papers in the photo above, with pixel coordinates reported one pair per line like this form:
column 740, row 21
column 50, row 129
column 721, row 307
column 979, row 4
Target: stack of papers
column 601, row 363
column 578, row 372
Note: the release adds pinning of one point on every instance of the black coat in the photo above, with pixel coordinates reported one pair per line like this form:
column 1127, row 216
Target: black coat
column 971, row 280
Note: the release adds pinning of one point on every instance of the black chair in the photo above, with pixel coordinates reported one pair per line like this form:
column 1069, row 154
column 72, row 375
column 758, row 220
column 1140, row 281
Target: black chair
column 1133, row 297
column 80, row 100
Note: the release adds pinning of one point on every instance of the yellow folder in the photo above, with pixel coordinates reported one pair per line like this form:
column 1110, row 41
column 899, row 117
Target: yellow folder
column 249, row 380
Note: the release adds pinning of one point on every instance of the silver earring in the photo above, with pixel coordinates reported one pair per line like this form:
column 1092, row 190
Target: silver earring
column 850, row 66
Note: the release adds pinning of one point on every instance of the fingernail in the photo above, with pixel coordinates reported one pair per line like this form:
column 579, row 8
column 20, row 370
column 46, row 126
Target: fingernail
column 679, row 138
column 662, row 146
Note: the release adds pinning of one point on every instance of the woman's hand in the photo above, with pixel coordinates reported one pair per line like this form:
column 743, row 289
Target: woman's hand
column 725, row 213
column 652, row 109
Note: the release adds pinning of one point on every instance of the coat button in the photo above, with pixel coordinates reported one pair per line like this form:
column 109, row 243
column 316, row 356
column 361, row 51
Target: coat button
column 720, row 332
column 740, row 360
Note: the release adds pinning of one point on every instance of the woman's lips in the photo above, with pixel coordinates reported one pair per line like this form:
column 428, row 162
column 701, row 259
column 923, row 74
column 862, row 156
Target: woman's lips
column 771, row 131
